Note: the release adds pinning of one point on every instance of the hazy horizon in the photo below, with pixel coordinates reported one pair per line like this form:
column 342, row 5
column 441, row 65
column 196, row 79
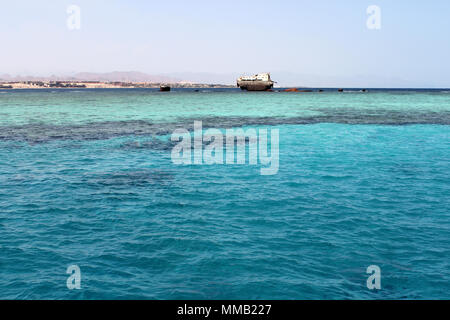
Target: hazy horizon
column 320, row 44
column 283, row 79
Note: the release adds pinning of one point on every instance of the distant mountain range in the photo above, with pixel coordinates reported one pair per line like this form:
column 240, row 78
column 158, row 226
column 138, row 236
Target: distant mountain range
column 283, row 79
column 131, row 76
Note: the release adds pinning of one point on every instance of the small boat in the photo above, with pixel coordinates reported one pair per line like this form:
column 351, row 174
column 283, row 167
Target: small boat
column 164, row 88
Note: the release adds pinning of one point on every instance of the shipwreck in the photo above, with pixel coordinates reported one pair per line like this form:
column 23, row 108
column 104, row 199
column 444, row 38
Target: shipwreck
column 258, row 82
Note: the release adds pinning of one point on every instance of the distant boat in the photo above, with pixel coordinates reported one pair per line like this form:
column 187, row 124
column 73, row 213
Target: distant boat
column 164, row 88
column 259, row 82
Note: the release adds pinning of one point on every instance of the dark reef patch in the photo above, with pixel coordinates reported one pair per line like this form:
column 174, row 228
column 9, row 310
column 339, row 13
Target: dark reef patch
column 142, row 177
column 40, row 133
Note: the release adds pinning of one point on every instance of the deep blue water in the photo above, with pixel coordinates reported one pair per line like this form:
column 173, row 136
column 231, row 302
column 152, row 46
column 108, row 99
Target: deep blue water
column 86, row 179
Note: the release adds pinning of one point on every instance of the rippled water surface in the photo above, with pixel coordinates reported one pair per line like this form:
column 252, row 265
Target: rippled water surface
column 86, row 178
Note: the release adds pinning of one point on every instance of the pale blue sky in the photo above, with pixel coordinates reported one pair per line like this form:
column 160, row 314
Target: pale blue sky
column 323, row 40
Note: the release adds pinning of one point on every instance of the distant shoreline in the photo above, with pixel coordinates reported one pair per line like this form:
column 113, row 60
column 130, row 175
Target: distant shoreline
column 39, row 85
column 102, row 85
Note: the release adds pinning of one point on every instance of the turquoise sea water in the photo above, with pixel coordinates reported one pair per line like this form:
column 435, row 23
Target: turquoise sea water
column 86, row 179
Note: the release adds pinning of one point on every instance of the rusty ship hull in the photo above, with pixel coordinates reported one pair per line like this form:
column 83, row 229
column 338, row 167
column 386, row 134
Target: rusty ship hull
column 255, row 85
